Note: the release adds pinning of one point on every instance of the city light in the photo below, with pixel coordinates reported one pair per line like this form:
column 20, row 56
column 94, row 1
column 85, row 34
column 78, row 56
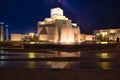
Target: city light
column 31, row 34
column 32, row 42
column 104, row 55
column 104, row 34
column 104, row 42
column 31, row 55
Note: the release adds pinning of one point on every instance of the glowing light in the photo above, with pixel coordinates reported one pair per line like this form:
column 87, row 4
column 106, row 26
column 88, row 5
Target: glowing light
column 31, row 55
column 104, row 55
column 32, row 42
column 104, row 42
column 104, row 34
column 67, row 42
column 74, row 24
column 31, row 34
column 98, row 34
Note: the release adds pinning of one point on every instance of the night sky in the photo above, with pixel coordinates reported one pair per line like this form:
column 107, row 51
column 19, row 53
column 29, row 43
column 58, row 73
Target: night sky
column 22, row 15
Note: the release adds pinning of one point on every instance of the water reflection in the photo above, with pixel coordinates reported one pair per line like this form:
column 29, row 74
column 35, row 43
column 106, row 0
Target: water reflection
column 52, row 55
column 57, row 64
column 2, row 63
column 104, row 55
column 88, row 60
column 72, row 54
column 32, row 64
column 31, row 55
column 36, row 64
column 2, row 57
column 17, row 55
column 50, row 64
column 3, row 54
column 105, row 65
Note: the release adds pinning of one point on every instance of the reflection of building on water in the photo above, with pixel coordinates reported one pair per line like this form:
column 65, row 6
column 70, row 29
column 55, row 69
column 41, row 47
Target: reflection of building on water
column 58, row 64
column 104, row 55
column 52, row 64
column 58, row 28
column 60, row 54
column 32, row 55
column 72, row 54
column 105, row 65
column 57, row 54
column 2, row 57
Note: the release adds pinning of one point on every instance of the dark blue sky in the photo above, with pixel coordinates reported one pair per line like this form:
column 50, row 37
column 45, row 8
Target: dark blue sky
column 22, row 15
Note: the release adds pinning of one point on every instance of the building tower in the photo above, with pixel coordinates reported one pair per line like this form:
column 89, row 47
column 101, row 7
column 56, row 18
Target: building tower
column 6, row 32
column 1, row 34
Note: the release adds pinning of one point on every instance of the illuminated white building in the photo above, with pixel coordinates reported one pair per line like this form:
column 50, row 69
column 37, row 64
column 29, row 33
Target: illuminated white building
column 16, row 37
column 58, row 28
column 107, row 34
column 24, row 37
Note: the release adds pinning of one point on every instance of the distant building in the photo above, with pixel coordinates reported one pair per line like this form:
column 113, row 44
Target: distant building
column 16, row 37
column 58, row 28
column 107, row 35
column 24, row 37
column 89, row 37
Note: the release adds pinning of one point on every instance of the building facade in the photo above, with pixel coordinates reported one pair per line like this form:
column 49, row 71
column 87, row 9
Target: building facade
column 107, row 35
column 58, row 28
column 24, row 37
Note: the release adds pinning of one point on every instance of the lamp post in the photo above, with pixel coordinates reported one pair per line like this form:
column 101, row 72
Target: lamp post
column 1, row 36
column 7, row 32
